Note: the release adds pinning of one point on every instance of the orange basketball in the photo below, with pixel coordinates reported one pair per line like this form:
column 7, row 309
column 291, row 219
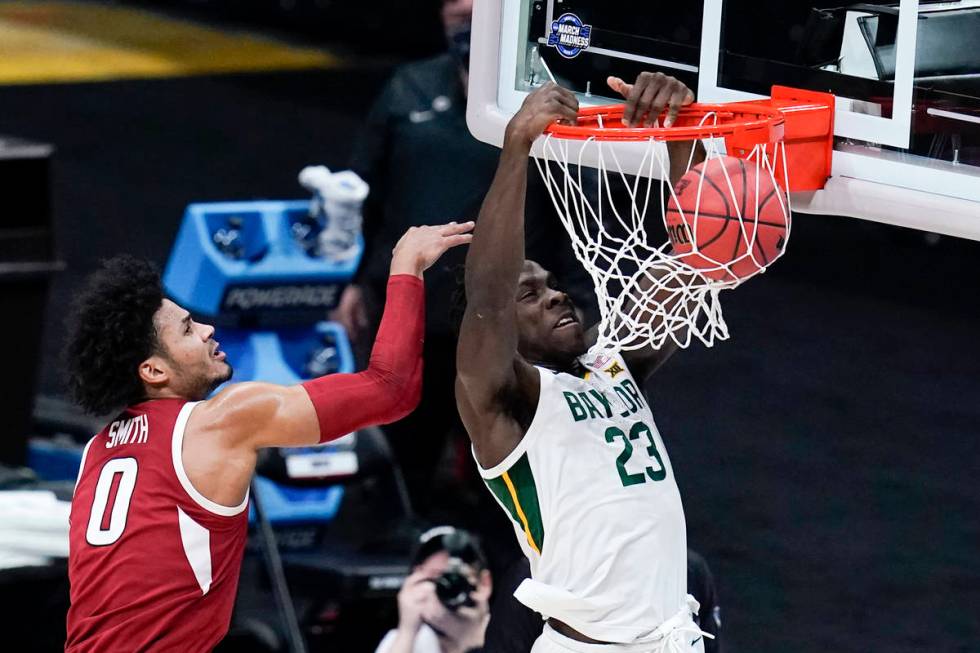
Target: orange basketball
column 720, row 236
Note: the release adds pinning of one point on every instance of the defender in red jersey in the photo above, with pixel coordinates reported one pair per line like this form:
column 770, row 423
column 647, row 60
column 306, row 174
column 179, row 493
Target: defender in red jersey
column 159, row 520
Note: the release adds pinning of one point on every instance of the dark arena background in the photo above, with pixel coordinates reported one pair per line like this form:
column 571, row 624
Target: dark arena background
column 827, row 454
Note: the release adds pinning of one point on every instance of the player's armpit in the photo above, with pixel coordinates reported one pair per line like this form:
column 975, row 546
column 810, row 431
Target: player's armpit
column 496, row 418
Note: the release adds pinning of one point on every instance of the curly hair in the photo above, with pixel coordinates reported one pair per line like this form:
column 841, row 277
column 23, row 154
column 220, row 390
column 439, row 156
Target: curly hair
column 110, row 332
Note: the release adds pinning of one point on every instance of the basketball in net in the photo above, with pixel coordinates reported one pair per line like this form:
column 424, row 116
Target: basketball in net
column 727, row 220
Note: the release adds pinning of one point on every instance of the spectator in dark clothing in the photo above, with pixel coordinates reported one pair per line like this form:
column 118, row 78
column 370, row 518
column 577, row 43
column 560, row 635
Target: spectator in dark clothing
column 424, row 166
column 514, row 627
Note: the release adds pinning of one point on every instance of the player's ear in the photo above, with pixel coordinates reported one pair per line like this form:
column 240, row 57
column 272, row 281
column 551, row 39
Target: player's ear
column 154, row 371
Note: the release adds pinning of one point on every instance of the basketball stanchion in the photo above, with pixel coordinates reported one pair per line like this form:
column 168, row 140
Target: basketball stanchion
column 727, row 219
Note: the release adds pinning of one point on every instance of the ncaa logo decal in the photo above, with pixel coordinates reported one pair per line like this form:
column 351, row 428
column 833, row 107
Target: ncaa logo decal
column 569, row 36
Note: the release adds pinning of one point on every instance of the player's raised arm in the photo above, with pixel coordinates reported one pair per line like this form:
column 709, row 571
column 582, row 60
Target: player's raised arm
column 487, row 361
column 646, row 99
column 249, row 416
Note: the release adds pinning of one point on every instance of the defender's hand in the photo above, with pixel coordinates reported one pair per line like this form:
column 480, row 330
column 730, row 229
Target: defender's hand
column 647, row 97
column 541, row 107
column 420, row 247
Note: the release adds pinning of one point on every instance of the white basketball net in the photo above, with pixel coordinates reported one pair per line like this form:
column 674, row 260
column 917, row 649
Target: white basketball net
column 645, row 294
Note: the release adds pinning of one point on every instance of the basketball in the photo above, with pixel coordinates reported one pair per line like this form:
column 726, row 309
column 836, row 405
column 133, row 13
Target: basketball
column 706, row 232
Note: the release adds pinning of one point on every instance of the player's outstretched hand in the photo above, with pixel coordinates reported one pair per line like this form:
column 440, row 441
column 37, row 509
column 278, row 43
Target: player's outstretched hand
column 420, row 247
column 647, row 97
column 541, row 107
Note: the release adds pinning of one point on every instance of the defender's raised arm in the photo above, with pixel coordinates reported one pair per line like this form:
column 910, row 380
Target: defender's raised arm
column 255, row 415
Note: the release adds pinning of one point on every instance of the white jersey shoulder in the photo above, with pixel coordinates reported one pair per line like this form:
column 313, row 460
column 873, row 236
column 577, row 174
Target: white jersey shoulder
column 594, row 504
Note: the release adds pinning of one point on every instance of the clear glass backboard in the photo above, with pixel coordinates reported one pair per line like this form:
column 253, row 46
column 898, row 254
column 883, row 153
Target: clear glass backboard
column 906, row 76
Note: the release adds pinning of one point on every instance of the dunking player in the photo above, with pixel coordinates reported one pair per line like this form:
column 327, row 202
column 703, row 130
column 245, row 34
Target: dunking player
column 159, row 519
column 562, row 434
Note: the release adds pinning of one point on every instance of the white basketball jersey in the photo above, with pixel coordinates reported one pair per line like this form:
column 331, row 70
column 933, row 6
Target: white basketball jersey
column 595, row 506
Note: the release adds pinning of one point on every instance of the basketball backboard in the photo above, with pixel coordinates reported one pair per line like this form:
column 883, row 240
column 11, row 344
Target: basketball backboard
column 906, row 75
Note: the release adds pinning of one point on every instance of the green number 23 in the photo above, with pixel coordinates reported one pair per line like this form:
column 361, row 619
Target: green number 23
column 638, row 429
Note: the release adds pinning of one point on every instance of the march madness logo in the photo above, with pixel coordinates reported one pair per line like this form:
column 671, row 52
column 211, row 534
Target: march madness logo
column 569, row 36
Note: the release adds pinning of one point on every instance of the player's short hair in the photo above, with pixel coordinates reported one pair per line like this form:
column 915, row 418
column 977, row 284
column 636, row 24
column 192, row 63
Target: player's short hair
column 110, row 332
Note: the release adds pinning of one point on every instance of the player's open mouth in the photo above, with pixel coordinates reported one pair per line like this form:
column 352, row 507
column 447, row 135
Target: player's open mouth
column 218, row 354
column 566, row 321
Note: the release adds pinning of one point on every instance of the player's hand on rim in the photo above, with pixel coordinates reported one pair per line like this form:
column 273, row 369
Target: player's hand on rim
column 649, row 95
column 541, row 107
column 420, row 247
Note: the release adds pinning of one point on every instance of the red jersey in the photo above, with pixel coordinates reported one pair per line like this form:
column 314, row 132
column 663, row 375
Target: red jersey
column 153, row 564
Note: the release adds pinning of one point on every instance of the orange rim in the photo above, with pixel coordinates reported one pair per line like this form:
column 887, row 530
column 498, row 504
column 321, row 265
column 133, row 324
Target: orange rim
column 754, row 122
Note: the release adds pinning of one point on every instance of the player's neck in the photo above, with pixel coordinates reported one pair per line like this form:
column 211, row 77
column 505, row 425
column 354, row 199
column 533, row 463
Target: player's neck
column 165, row 392
column 573, row 367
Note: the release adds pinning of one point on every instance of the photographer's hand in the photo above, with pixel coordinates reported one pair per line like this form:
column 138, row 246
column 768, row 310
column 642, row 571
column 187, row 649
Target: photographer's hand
column 416, row 596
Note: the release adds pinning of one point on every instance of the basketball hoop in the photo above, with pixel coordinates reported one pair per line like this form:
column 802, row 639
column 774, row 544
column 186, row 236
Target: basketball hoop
column 727, row 219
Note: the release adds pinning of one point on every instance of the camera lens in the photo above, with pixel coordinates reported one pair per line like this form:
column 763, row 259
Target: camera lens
column 453, row 589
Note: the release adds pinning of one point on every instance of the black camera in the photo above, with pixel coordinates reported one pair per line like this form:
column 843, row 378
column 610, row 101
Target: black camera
column 455, row 586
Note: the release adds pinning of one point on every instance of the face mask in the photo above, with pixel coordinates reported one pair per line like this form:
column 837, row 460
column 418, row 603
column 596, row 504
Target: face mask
column 459, row 43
